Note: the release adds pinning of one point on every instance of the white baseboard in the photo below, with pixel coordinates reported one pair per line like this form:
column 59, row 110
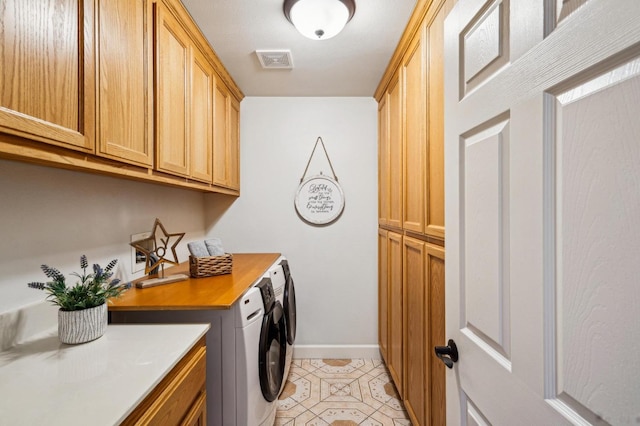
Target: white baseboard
column 337, row 351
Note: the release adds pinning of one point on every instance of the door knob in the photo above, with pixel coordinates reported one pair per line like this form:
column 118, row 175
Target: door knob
column 447, row 354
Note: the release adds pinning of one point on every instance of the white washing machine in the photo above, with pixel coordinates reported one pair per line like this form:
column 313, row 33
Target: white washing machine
column 285, row 293
column 246, row 354
column 260, row 355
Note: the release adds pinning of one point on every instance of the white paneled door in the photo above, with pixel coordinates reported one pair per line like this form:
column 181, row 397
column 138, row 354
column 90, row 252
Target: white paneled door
column 543, row 211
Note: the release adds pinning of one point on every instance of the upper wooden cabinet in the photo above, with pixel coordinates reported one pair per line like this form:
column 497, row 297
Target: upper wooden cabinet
column 124, row 109
column 121, row 87
column 201, row 117
column 383, row 162
column 197, row 116
column 414, row 153
column 173, row 54
column 226, row 167
column 234, row 145
column 434, row 213
column 394, row 101
column 411, row 99
column 47, row 71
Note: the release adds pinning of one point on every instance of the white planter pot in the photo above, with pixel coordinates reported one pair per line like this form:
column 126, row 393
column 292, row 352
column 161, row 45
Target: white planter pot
column 82, row 326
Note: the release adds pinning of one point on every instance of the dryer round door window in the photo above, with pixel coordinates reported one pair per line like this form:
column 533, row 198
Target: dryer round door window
column 272, row 350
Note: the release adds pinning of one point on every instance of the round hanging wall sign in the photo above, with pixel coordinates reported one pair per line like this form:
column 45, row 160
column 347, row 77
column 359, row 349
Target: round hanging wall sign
column 319, row 200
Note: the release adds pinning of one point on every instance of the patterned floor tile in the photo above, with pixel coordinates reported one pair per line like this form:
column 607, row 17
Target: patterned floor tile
column 340, row 392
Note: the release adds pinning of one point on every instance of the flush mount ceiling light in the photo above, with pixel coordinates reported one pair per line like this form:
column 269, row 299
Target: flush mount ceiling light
column 319, row 19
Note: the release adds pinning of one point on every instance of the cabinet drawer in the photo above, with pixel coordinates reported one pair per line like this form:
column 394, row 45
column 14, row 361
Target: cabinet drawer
column 174, row 398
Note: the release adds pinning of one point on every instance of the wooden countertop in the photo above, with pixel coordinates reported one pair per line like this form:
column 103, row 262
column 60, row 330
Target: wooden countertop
column 218, row 292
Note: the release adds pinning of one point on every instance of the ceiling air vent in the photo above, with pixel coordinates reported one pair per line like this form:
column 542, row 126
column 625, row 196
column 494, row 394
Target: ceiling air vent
column 275, row 59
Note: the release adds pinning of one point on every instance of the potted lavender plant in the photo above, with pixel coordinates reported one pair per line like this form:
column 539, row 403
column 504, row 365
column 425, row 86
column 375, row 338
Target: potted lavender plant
column 82, row 316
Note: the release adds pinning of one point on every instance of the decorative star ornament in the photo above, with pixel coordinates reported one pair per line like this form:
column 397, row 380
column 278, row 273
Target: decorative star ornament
column 155, row 247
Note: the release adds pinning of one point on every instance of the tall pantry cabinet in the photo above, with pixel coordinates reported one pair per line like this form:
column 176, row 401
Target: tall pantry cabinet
column 411, row 213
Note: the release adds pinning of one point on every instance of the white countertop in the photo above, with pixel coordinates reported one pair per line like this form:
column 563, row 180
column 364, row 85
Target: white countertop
column 45, row 382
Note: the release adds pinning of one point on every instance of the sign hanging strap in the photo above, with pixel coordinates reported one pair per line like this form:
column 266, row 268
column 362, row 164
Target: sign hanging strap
column 325, row 153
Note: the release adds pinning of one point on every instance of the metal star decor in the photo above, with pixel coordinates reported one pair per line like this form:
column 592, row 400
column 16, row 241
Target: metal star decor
column 155, row 247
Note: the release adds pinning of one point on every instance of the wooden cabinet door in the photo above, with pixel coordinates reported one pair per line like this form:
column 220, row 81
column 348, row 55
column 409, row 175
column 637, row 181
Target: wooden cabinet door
column 201, row 117
column 434, row 211
column 172, row 94
column 47, row 71
column 414, row 153
column 226, row 139
column 233, row 150
column 416, row 314
column 394, row 99
column 383, row 161
column 383, row 293
column 220, row 120
column 197, row 415
column 396, row 317
column 124, row 108
column 435, row 413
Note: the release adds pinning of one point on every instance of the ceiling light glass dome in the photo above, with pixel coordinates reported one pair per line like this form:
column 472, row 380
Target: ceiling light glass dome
column 319, row 19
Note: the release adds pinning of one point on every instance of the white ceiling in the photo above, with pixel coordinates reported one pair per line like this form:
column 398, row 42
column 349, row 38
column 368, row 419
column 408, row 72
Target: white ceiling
column 350, row 64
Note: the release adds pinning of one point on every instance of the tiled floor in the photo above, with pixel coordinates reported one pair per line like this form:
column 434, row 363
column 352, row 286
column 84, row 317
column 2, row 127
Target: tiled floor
column 339, row 392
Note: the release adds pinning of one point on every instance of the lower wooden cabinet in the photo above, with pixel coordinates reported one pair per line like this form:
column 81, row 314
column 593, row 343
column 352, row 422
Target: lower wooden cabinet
column 197, row 416
column 395, row 311
column 435, row 391
column 411, row 322
column 416, row 314
column 383, row 293
column 180, row 398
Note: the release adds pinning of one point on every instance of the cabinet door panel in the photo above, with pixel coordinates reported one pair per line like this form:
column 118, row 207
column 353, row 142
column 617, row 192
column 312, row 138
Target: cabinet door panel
column 124, row 76
column 221, row 112
column 415, row 98
column 435, row 392
column 172, row 68
column 434, row 214
column 234, row 145
column 396, row 317
column 383, row 161
column 201, row 112
column 416, row 312
column 395, row 153
column 47, row 77
column 383, row 293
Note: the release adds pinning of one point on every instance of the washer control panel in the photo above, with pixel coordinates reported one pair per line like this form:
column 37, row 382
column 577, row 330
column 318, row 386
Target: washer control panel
column 266, row 289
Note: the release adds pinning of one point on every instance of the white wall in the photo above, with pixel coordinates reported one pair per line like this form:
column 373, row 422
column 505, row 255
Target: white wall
column 54, row 216
column 335, row 266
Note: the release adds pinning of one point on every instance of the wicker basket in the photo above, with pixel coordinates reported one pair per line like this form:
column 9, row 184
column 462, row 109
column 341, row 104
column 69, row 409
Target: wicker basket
column 200, row 267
